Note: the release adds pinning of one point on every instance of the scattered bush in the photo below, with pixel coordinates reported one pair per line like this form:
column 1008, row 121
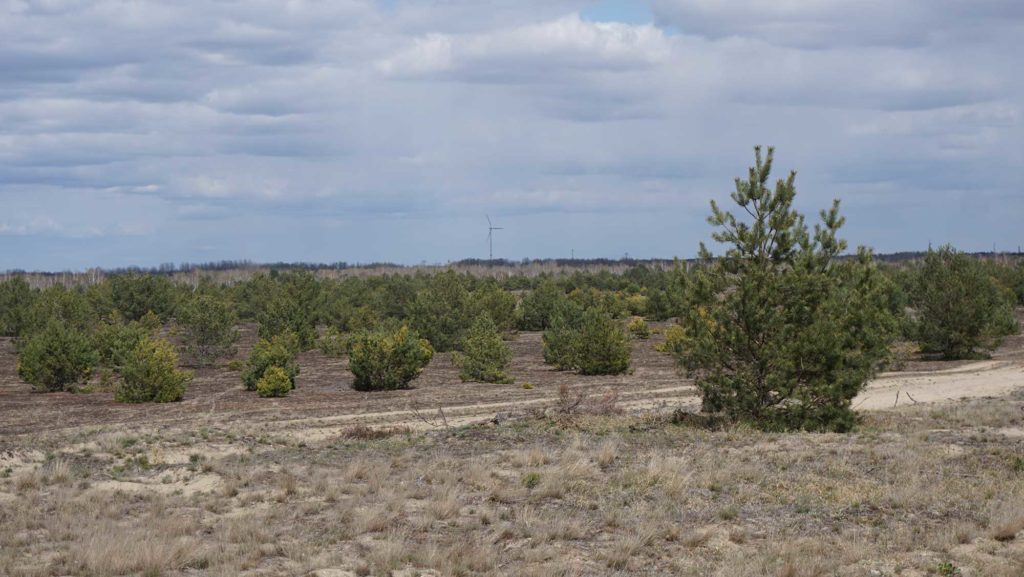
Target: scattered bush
column 959, row 307
column 559, row 339
column 333, row 343
column 150, row 374
column 496, row 302
column 441, row 312
column 776, row 332
column 539, row 307
column 16, row 299
column 638, row 328
column 68, row 307
column 279, row 352
column 207, row 329
column 56, row 359
column 591, row 342
column 275, row 382
column 485, row 357
column 602, row 346
column 287, row 303
column 134, row 295
column 115, row 340
column 387, row 360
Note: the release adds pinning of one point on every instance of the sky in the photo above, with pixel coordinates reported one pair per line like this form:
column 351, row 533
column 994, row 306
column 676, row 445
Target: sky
column 139, row 133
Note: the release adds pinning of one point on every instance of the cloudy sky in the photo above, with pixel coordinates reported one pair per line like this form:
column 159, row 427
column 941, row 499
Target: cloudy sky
column 142, row 132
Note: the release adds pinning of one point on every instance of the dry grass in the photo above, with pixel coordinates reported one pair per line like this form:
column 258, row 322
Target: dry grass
column 597, row 495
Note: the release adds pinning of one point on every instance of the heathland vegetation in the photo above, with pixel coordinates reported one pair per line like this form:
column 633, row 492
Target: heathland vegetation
column 781, row 330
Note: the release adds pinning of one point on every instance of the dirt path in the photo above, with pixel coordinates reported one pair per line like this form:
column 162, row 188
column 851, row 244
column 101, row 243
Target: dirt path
column 324, row 404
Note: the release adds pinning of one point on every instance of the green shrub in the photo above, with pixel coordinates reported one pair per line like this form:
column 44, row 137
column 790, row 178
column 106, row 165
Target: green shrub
column 333, row 343
column 485, row 357
column 638, row 328
column 207, row 329
column 591, row 342
column 134, row 295
column 16, row 298
column 279, row 352
column 496, row 302
column 115, row 340
column 387, row 360
column 441, row 312
column 69, row 307
column 777, row 332
column 56, row 359
column 959, row 307
column 539, row 307
column 559, row 340
column 151, row 374
column 275, row 382
column 288, row 304
column 602, row 346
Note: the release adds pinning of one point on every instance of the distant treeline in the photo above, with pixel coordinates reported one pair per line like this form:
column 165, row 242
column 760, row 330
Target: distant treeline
column 527, row 267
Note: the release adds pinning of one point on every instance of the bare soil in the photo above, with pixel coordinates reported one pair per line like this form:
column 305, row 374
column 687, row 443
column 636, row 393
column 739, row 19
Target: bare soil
column 331, row 482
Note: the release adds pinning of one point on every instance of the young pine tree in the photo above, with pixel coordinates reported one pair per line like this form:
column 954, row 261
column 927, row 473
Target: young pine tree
column 485, row 357
column 150, row 374
column 207, row 327
column 777, row 332
column 388, row 359
column 960, row 307
column 56, row 358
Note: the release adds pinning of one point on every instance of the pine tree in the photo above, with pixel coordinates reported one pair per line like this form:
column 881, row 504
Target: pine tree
column 485, row 357
column 777, row 332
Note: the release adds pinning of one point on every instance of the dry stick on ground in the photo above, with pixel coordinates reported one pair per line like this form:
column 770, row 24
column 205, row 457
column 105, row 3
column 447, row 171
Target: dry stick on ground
column 444, row 420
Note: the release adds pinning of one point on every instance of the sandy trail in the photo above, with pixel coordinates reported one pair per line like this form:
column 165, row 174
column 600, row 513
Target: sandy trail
column 979, row 379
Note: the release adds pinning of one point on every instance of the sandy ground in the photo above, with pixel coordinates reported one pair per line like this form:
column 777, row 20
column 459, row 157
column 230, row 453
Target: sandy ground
column 324, row 404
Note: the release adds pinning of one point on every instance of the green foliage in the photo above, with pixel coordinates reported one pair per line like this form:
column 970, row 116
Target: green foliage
column 441, row 311
column 591, row 342
column 279, row 351
column 57, row 358
column 151, row 375
column 539, row 307
column 67, row 306
column 560, row 338
column 638, row 328
column 777, row 333
column 485, row 357
column 290, row 306
column 16, row 298
column 602, row 347
column 388, row 360
column 333, row 343
column 960, row 308
column 115, row 339
column 134, row 295
column 207, row 328
column 275, row 382
column 496, row 302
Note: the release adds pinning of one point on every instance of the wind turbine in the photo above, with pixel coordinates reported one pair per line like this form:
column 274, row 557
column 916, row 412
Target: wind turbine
column 490, row 237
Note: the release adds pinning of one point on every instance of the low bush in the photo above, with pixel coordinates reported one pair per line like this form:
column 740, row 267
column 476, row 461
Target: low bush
column 115, row 339
column 485, row 357
column 207, row 329
column 961, row 310
column 151, row 374
column 603, row 347
column 333, row 343
column 279, row 351
column 56, row 359
column 638, row 328
column 388, row 360
column 275, row 382
column 591, row 342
